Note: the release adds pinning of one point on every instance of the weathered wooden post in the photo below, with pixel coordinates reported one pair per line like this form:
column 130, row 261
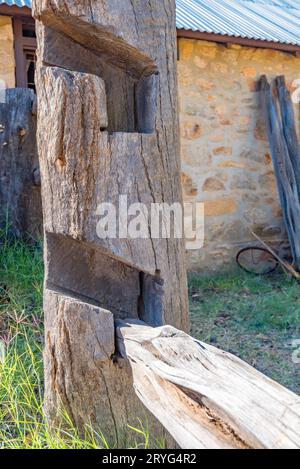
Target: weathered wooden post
column 107, row 126
column 20, row 193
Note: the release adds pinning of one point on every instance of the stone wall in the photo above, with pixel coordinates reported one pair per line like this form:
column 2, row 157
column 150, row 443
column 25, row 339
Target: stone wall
column 7, row 55
column 226, row 160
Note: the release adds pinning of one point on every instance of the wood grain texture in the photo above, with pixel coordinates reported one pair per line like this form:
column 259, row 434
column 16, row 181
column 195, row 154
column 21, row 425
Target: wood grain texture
column 83, row 381
column 204, row 397
column 285, row 157
column 289, row 127
column 146, row 167
column 107, row 126
column 20, row 192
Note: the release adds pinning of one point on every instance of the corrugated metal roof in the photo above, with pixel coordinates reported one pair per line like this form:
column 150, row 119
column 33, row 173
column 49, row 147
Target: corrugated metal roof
column 264, row 20
column 267, row 20
column 18, row 3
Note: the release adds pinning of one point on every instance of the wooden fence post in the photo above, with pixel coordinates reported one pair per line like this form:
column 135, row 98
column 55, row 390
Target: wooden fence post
column 107, row 127
column 20, row 194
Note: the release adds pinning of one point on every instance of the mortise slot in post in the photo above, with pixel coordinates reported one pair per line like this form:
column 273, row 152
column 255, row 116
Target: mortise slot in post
column 146, row 103
column 84, row 272
column 151, row 301
column 131, row 81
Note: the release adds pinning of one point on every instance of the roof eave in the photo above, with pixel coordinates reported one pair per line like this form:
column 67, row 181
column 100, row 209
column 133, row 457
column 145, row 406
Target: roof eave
column 190, row 34
column 15, row 10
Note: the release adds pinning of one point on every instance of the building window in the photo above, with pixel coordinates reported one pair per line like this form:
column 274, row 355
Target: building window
column 28, row 28
column 30, row 61
column 25, row 51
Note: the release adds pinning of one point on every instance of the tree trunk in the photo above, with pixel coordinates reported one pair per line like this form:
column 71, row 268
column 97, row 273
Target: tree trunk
column 107, row 126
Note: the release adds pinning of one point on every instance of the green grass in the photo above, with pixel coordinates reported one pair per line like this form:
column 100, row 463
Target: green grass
column 255, row 318
column 22, row 420
column 252, row 317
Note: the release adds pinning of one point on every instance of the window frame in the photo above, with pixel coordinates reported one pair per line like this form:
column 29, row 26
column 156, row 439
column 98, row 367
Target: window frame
column 22, row 45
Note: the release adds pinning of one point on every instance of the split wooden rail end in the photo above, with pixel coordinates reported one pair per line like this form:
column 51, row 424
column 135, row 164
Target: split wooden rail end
column 204, row 397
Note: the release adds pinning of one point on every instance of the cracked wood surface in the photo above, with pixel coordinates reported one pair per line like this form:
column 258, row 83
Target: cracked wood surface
column 84, row 164
column 280, row 126
column 204, row 397
column 107, row 126
column 20, row 192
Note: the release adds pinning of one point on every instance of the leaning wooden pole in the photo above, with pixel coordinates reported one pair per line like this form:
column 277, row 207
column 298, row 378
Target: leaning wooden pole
column 107, row 127
column 284, row 156
column 289, row 126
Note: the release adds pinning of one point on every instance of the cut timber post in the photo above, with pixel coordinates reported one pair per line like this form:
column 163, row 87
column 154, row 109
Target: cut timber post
column 285, row 154
column 204, row 397
column 107, row 127
column 289, row 127
column 20, row 191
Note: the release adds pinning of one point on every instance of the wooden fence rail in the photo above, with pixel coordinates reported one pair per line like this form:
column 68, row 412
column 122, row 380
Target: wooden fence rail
column 204, row 397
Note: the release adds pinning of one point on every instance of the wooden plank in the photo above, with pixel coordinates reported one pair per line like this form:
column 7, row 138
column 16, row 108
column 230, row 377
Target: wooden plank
column 289, row 127
column 204, row 397
column 20, row 193
column 107, row 127
column 283, row 167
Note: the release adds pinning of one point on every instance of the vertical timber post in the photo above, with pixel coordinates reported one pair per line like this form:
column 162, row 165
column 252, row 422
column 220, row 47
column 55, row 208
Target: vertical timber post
column 107, row 127
column 20, row 192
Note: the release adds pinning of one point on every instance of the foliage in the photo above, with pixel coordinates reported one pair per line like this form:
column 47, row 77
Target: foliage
column 22, row 420
column 255, row 318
